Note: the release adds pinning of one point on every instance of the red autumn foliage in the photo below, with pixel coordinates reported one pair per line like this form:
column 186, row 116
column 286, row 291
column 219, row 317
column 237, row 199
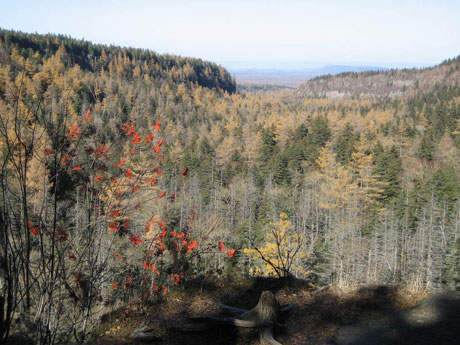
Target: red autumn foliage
column 128, row 127
column 161, row 195
column 157, row 147
column 121, row 163
column 64, row 159
column 221, row 246
column 230, row 253
column 149, row 138
column 101, row 151
column 113, row 227
column 73, row 132
column 136, row 139
column 114, row 286
column 128, row 173
column 155, row 270
column 88, row 113
column 156, row 127
column 149, row 225
column 77, row 168
column 48, row 151
column 192, row 245
column 135, row 240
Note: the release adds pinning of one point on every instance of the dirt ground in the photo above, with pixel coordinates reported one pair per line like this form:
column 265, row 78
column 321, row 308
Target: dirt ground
column 317, row 318
column 434, row 320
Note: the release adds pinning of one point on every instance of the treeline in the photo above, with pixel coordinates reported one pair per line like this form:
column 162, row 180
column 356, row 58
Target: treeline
column 130, row 62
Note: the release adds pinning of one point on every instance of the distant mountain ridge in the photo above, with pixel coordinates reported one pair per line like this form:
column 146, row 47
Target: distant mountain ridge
column 292, row 77
column 382, row 83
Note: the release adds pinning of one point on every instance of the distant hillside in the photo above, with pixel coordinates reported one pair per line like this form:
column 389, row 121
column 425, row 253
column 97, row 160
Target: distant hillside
column 390, row 83
column 96, row 57
column 292, row 77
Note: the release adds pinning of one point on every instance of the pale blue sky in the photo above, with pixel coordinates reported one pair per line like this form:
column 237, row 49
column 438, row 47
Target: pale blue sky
column 289, row 33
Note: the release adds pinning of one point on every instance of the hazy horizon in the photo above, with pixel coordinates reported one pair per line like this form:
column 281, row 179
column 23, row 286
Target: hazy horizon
column 299, row 33
column 306, row 65
column 276, row 65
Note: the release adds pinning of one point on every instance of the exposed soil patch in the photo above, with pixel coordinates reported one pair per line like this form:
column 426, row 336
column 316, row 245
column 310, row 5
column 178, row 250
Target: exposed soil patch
column 315, row 319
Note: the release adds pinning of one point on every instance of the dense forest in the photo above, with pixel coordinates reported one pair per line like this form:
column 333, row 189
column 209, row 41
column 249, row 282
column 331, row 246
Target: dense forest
column 127, row 173
column 392, row 83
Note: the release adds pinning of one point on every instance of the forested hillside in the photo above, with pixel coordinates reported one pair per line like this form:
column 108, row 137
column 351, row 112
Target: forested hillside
column 126, row 173
column 379, row 84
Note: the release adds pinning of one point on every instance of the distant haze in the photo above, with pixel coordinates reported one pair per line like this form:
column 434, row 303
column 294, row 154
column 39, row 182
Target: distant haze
column 292, row 77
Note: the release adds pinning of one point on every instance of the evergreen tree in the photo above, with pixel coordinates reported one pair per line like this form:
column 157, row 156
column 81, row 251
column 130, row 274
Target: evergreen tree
column 427, row 146
column 344, row 145
column 388, row 168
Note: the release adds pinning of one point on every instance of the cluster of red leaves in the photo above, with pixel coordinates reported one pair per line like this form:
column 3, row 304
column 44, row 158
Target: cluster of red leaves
column 113, row 227
column 222, row 248
column 60, row 234
column 135, row 240
column 176, row 277
column 48, row 151
column 156, row 127
column 158, row 146
column 73, row 132
column 128, row 127
column 149, row 138
column 88, row 113
column 136, row 139
column 150, row 266
column 101, row 151
column 64, row 159
column 35, row 231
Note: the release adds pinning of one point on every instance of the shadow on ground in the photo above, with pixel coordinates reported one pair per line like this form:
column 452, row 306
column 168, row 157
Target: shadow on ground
column 373, row 315
column 435, row 320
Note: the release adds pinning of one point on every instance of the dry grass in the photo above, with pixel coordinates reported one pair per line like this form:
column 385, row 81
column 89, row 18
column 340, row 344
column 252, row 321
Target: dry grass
column 314, row 320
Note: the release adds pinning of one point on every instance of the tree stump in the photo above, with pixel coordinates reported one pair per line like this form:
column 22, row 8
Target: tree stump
column 263, row 317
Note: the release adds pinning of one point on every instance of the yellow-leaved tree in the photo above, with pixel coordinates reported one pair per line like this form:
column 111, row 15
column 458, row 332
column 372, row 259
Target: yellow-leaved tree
column 280, row 255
